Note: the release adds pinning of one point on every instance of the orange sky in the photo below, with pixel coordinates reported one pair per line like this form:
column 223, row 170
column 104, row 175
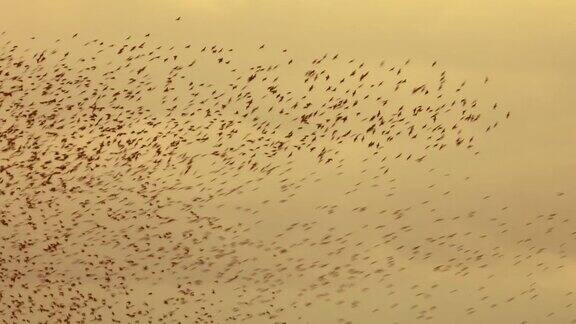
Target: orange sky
column 527, row 50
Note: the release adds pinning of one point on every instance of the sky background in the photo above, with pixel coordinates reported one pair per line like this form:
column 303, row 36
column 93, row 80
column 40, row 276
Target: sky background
column 526, row 48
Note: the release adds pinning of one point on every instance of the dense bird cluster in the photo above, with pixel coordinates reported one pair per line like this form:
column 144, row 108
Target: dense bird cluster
column 110, row 152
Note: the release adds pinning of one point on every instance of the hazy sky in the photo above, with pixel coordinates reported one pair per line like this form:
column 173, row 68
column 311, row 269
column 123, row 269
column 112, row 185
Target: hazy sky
column 526, row 48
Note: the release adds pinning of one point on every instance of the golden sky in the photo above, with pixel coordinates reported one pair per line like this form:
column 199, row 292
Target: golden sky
column 456, row 238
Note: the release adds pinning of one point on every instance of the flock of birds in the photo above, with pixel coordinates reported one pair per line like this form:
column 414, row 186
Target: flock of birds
column 118, row 161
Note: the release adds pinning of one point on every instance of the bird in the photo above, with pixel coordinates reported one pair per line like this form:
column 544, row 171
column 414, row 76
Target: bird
column 151, row 181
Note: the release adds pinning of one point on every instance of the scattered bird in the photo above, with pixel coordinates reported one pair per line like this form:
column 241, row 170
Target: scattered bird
column 112, row 155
